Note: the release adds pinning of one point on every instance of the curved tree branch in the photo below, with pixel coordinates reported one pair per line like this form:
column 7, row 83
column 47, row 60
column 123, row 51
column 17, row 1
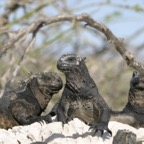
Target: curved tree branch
column 118, row 43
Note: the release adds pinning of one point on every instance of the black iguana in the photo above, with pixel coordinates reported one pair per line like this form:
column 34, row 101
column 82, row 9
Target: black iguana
column 133, row 112
column 80, row 97
column 25, row 105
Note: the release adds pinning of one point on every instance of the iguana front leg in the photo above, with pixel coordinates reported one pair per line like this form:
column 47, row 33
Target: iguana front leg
column 104, row 116
column 62, row 109
column 62, row 112
column 103, row 121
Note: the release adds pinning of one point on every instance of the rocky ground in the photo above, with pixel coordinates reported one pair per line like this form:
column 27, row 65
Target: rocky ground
column 75, row 132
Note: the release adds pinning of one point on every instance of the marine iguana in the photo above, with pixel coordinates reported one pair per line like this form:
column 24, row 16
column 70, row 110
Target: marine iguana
column 25, row 105
column 133, row 112
column 80, row 97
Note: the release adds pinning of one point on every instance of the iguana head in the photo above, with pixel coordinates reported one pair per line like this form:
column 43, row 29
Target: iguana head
column 42, row 86
column 49, row 82
column 69, row 62
column 137, row 80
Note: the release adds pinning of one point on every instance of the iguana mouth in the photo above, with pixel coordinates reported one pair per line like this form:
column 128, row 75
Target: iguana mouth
column 50, row 91
column 62, row 66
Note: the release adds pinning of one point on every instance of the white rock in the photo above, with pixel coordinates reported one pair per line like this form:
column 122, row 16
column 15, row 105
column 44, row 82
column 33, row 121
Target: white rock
column 75, row 132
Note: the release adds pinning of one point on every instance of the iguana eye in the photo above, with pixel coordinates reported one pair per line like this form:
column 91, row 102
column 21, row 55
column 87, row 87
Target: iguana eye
column 136, row 80
column 135, row 74
column 71, row 59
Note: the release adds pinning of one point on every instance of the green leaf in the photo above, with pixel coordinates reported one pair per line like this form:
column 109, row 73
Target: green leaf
column 138, row 8
column 113, row 15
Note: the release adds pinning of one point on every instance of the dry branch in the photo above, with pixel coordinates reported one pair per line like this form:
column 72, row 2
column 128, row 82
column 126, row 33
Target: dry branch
column 11, row 6
column 118, row 43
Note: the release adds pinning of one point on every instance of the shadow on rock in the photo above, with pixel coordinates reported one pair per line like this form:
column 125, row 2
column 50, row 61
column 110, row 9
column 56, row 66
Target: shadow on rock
column 54, row 136
column 84, row 135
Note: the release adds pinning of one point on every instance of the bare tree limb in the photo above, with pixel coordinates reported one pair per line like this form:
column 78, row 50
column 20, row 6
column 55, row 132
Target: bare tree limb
column 118, row 43
column 12, row 41
column 17, row 68
column 11, row 7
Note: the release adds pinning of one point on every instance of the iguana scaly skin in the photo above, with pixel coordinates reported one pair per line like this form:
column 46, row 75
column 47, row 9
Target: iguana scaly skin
column 25, row 105
column 133, row 112
column 80, row 97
